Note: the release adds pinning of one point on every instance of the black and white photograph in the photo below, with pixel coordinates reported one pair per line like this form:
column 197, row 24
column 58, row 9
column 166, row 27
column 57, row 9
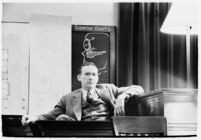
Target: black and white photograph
column 116, row 69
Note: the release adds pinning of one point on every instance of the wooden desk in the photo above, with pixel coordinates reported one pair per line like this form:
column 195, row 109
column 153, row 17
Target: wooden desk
column 179, row 106
column 72, row 129
column 12, row 126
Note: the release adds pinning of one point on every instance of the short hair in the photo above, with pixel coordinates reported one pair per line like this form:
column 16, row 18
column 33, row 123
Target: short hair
column 85, row 64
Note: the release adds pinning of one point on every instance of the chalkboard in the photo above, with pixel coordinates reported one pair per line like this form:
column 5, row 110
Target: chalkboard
column 95, row 44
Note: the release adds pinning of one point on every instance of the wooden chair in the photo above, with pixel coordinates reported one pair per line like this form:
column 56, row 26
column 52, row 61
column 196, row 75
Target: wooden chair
column 140, row 125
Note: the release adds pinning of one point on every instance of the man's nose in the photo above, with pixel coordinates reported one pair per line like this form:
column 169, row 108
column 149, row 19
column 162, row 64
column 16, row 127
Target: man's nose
column 91, row 76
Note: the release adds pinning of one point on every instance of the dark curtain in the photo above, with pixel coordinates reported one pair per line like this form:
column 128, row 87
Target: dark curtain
column 148, row 57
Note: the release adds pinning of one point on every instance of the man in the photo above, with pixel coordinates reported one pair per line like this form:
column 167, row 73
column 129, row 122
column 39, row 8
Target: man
column 90, row 103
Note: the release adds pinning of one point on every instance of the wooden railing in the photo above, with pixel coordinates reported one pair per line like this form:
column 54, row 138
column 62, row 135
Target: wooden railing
column 179, row 106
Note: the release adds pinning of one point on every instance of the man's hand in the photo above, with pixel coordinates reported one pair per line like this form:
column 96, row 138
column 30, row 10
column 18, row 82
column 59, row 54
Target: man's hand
column 119, row 105
column 27, row 119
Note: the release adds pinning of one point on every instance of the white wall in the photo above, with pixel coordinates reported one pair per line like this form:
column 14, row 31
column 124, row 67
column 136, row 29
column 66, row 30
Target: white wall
column 15, row 68
column 82, row 13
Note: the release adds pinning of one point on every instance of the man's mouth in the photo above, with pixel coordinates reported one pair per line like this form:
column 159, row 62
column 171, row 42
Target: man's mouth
column 91, row 82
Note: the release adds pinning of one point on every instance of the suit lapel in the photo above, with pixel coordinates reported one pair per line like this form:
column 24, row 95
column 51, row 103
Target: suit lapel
column 77, row 106
column 105, row 96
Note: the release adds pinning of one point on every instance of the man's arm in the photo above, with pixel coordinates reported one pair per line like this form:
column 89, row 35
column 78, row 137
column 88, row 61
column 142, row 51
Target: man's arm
column 133, row 90
column 122, row 94
column 51, row 115
column 58, row 110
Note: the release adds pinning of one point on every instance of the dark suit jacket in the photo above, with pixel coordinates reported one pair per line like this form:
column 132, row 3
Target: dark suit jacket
column 70, row 104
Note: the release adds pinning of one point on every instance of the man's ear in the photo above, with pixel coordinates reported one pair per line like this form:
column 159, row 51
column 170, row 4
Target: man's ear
column 79, row 77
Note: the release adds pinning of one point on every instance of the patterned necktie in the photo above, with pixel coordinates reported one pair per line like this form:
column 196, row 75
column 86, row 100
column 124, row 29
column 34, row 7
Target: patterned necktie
column 89, row 97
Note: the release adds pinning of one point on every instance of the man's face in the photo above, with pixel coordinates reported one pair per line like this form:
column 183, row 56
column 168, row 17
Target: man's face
column 88, row 77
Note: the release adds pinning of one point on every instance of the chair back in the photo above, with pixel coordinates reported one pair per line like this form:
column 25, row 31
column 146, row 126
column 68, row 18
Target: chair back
column 140, row 125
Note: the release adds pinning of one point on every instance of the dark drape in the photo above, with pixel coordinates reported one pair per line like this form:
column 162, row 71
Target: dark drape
column 147, row 57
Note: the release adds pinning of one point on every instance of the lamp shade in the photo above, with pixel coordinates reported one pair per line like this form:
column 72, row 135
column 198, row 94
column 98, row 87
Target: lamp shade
column 181, row 18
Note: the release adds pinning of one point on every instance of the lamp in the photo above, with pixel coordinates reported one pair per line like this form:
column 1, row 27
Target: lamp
column 182, row 19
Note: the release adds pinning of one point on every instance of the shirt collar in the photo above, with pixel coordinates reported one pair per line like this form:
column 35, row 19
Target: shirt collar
column 85, row 91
